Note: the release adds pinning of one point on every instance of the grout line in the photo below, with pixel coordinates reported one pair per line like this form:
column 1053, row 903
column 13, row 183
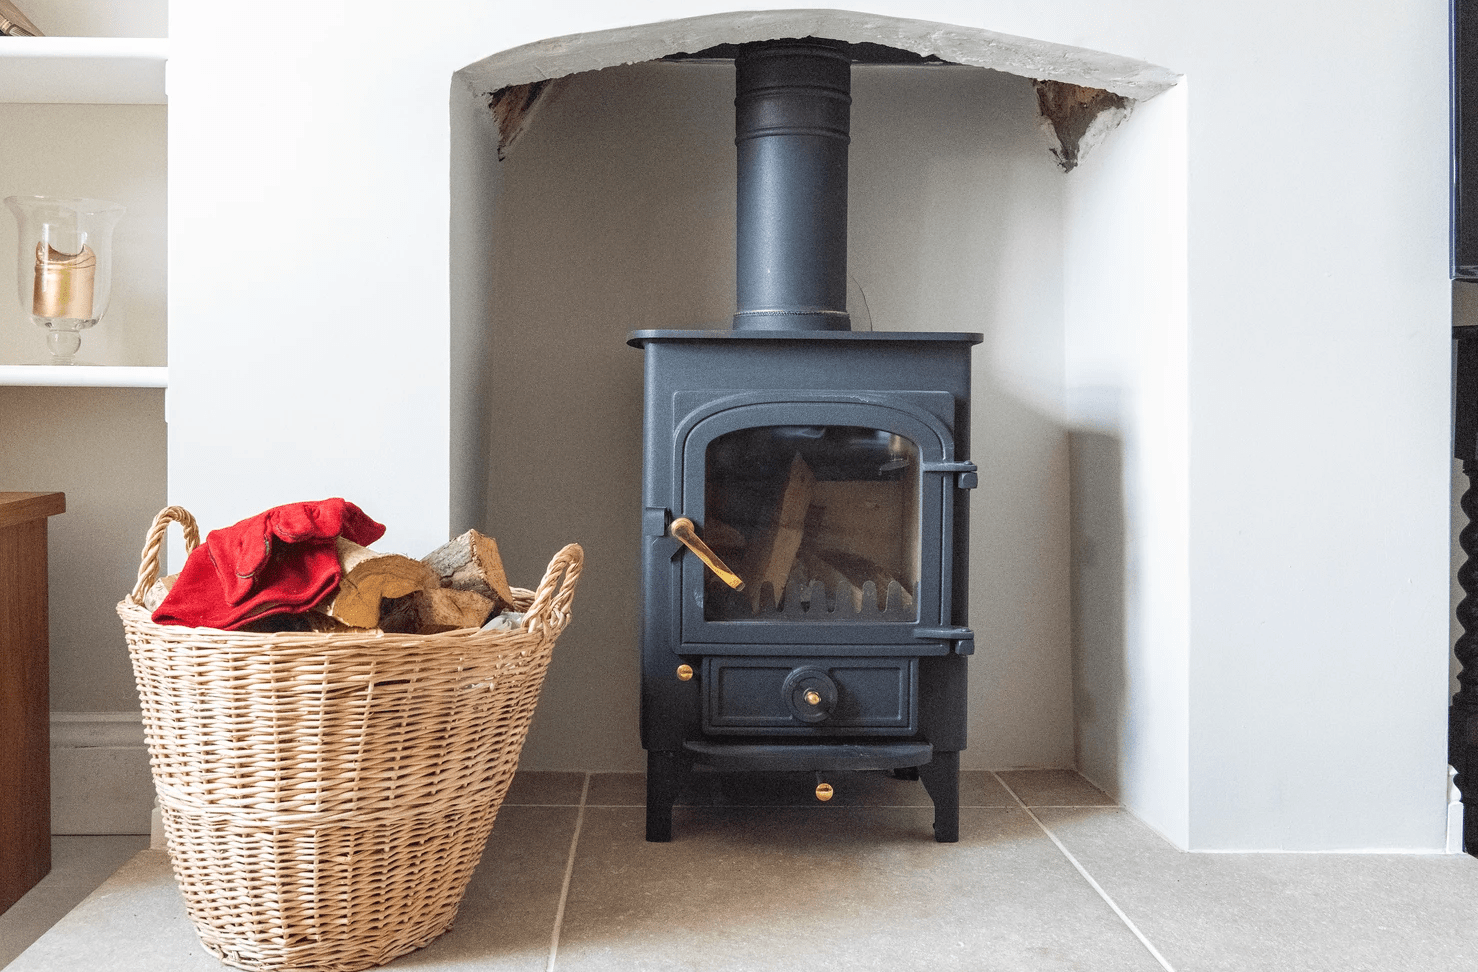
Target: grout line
column 564, row 890
column 1164, row 963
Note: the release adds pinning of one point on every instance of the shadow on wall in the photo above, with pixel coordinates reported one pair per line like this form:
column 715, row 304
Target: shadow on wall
column 1099, row 571
column 614, row 211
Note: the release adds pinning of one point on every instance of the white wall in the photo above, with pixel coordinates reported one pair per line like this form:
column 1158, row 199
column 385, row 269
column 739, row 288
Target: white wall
column 309, row 228
column 1319, row 431
column 1126, row 391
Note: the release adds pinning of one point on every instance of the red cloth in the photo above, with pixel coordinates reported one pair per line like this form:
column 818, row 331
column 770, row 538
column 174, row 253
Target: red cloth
column 283, row 561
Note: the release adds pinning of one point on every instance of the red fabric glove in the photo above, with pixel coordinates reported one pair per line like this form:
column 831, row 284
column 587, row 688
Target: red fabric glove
column 283, row 561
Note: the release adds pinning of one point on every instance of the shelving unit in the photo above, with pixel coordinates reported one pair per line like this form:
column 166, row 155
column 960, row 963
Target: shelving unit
column 85, row 116
column 83, row 113
column 83, row 70
column 110, row 376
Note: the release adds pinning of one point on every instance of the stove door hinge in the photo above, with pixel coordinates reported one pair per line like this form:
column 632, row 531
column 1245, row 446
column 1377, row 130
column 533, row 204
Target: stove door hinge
column 654, row 521
column 963, row 638
column 966, row 473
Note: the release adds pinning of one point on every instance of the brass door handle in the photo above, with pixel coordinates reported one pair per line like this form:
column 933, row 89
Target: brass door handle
column 683, row 532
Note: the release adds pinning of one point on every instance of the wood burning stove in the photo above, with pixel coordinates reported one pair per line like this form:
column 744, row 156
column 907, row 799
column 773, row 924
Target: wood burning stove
column 805, row 517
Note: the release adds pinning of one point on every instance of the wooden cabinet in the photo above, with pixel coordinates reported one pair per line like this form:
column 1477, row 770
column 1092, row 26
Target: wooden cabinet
column 25, row 765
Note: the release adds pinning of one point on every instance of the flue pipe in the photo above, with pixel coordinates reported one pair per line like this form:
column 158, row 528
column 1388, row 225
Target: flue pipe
column 792, row 110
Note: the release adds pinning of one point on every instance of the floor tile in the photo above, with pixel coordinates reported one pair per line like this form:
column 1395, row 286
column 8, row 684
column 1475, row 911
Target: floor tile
column 617, row 790
column 1254, row 912
column 1054, row 788
column 762, row 888
column 507, row 918
column 134, row 922
column 78, row 866
column 545, row 789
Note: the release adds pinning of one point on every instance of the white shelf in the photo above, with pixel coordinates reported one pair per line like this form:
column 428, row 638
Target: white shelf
column 83, row 70
column 84, row 376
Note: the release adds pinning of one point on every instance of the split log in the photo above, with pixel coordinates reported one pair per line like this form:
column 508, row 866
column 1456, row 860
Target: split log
column 155, row 595
column 471, row 562
column 436, row 609
column 776, row 549
column 723, row 539
column 874, row 520
column 369, row 577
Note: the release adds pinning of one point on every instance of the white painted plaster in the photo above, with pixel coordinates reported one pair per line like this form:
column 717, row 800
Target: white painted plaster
column 1125, row 269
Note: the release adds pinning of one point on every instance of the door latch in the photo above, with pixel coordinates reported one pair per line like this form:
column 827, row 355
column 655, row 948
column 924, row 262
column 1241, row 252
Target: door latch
column 963, row 639
column 966, row 473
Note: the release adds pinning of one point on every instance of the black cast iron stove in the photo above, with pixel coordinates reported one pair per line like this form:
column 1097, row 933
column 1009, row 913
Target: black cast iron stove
column 805, row 524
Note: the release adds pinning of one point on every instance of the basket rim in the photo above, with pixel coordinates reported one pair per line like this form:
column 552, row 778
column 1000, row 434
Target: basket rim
column 546, row 610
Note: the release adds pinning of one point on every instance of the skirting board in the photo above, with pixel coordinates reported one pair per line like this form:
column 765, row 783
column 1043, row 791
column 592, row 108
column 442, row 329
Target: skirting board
column 100, row 782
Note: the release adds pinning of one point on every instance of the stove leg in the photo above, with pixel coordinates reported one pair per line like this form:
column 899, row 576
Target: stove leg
column 941, row 778
column 666, row 774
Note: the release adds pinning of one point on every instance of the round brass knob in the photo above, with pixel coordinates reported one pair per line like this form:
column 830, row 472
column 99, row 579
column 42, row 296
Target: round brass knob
column 810, row 694
column 824, row 791
column 684, row 673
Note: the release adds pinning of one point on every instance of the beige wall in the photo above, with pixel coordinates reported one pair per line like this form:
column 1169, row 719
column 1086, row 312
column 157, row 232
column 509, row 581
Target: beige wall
column 104, row 448
column 616, row 212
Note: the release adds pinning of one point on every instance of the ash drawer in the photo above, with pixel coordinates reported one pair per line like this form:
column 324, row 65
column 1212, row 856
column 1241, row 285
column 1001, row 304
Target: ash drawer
column 810, row 696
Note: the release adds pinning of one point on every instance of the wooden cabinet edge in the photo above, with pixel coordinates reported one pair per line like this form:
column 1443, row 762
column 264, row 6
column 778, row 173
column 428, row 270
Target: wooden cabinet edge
column 20, row 507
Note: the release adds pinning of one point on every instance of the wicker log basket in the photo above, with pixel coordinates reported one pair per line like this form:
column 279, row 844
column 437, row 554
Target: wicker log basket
column 326, row 797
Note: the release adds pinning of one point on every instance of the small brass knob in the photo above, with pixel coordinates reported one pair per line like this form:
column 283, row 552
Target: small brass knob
column 813, row 697
column 824, row 791
column 684, row 673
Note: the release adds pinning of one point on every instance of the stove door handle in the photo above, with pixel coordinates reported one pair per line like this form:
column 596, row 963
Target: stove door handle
column 685, row 533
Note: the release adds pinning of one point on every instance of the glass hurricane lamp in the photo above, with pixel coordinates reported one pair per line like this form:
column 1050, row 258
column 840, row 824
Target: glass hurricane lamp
column 64, row 266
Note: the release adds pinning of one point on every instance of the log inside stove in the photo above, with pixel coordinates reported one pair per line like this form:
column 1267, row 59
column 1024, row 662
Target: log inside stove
column 813, row 549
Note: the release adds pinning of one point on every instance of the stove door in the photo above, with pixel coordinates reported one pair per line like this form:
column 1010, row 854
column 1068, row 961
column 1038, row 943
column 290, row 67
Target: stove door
column 837, row 514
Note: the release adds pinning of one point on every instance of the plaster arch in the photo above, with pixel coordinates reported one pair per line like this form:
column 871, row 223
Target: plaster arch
column 1041, row 60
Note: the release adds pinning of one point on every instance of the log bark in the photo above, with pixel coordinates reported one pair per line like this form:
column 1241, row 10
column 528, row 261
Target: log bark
column 471, row 562
column 155, row 595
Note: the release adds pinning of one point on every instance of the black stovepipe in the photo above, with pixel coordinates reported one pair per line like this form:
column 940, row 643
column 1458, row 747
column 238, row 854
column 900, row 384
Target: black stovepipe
column 792, row 107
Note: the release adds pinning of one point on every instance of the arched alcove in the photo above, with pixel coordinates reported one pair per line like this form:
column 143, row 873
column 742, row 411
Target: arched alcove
column 614, row 211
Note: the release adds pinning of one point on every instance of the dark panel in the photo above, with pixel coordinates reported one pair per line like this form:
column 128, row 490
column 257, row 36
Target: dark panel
column 746, row 693
column 1465, row 139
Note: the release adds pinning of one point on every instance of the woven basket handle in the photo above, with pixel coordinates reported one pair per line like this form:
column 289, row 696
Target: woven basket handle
column 154, row 542
column 551, row 606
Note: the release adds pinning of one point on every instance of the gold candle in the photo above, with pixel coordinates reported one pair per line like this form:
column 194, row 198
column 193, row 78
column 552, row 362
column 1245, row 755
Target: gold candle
column 63, row 283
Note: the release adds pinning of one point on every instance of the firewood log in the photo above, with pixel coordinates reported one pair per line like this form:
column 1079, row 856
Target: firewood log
column 370, row 576
column 774, row 553
column 471, row 562
column 436, row 609
column 154, row 596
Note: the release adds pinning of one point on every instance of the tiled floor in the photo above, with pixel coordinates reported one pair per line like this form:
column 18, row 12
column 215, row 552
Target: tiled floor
column 1047, row 875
